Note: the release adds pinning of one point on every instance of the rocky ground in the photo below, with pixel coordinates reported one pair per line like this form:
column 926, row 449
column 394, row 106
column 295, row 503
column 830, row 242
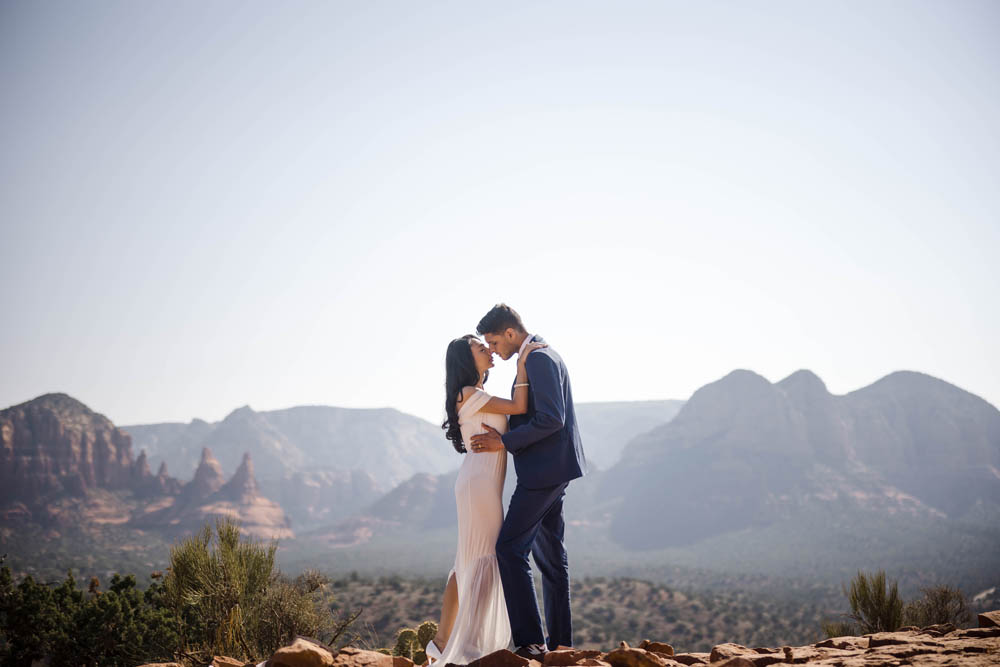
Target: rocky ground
column 933, row 646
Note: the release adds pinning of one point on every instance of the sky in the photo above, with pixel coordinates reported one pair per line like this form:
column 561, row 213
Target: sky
column 211, row 205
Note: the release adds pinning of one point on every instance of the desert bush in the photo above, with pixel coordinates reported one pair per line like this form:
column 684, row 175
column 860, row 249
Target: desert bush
column 939, row 604
column 66, row 626
column 229, row 599
column 875, row 606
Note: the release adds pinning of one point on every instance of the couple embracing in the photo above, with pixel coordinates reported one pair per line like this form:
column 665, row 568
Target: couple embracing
column 489, row 599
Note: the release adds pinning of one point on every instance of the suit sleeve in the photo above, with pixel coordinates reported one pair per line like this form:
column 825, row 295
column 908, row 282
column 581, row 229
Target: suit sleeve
column 550, row 406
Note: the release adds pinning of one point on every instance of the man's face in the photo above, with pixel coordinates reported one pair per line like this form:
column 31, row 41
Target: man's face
column 502, row 343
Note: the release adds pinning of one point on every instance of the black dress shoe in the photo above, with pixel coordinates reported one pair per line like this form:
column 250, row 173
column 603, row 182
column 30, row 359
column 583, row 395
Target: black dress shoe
column 532, row 652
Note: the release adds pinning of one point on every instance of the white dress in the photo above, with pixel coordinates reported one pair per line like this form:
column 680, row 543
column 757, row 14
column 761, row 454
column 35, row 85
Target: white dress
column 481, row 624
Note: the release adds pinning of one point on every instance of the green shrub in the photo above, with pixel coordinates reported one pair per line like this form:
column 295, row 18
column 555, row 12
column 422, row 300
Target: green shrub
column 940, row 604
column 119, row 627
column 230, row 600
column 875, row 606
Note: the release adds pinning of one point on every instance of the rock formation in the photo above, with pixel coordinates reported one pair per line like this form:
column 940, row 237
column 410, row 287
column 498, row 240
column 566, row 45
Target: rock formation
column 55, row 444
column 63, row 464
column 933, row 646
column 208, row 479
column 209, row 495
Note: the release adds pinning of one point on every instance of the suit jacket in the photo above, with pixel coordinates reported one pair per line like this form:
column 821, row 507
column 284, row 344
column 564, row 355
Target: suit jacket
column 545, row 441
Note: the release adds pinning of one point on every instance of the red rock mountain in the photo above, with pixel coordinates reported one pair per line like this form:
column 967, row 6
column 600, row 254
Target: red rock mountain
column 56, row 454
column 55, row 444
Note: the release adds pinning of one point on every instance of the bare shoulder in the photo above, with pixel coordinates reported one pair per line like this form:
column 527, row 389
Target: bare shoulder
column 468, row 391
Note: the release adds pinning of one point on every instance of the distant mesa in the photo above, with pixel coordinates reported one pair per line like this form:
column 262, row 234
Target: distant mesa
column 54, row 448
column 743, row 452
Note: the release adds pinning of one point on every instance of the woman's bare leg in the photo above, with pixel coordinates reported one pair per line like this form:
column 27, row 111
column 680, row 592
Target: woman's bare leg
column 449, row 611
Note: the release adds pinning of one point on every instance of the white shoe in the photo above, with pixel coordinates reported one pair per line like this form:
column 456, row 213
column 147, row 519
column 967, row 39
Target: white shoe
column 432, row 652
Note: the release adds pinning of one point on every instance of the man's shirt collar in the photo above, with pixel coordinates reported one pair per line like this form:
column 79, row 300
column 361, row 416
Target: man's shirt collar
column 524, row 343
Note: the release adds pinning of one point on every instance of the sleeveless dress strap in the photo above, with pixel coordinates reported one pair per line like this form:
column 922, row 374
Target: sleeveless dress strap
column 473, row 403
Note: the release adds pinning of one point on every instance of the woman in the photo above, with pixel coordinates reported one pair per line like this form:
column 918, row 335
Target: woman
column 474, row 619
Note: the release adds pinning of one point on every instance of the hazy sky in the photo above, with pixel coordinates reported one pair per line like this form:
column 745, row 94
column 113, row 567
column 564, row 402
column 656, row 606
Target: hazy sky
column 206, row 205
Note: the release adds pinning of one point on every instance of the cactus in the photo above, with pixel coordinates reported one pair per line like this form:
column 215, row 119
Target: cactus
column 404, row 643
column 426, row 632
column 419, row 657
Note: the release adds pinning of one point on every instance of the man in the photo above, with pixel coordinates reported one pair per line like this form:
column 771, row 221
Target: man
column 545, row 444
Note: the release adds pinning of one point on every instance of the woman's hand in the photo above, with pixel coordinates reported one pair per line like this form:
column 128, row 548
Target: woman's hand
column 521, row 358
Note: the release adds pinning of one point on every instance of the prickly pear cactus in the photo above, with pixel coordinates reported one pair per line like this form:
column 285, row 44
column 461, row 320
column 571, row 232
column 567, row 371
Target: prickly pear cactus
column 426, row 632
column 405, row 640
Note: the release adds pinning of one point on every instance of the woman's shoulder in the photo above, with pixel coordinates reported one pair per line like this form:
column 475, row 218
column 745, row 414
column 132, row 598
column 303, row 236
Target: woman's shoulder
column 469, row 391
column 472, row 396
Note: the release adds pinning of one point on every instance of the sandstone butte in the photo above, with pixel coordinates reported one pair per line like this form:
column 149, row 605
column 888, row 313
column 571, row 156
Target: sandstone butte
column 933, row 646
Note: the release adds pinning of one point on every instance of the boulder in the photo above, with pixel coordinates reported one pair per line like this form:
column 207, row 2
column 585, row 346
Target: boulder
column 304, row 653
column 657, row 647
column 726, row 651
column 502, row 658
column 989, row 619
column 692, row 658
column 635, row 657
column 563, row 657
column 226, row 661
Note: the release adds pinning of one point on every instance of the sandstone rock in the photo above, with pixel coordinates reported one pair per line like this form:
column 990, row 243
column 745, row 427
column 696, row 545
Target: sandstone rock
column 502, row 658
column 692, row 658
column 304, row 653
column 635, row 657
column 736, row 661
column 593, row 662
column 979, row 632
column 226, row 661
column 657, row 647
column 765, row 659
column 563, row 657
column 726, row 651
column 989, row 619
column 845, row 642
column 893, row 638
column 937, row 630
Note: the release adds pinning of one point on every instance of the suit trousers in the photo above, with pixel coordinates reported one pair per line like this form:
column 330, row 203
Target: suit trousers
column 534, row 524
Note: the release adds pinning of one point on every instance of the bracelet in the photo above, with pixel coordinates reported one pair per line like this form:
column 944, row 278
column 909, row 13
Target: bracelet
column 520, row 385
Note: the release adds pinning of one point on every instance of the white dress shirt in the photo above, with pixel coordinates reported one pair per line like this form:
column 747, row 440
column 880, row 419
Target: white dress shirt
column 524, row 344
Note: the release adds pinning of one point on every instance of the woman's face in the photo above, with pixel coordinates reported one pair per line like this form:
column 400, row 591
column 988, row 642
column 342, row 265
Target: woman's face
column 482, row 355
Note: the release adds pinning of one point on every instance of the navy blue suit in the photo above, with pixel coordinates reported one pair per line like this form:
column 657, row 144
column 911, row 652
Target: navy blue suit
column 545, row 444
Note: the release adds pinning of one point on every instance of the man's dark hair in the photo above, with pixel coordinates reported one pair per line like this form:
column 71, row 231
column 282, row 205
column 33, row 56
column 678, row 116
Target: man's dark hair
column 500, row 318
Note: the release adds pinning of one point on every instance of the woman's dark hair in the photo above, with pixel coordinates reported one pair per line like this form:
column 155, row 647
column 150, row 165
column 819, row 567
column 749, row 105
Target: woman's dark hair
column 500, row 318
column 459, row 371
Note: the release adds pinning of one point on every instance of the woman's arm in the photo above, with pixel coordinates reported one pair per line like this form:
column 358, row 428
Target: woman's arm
column 519, row 404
